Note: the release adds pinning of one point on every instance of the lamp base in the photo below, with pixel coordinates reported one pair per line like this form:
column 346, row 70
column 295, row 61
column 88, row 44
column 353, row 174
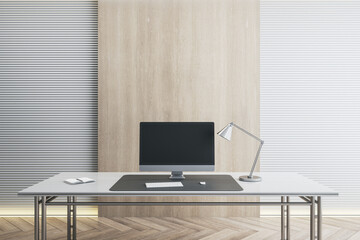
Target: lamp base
column 250, row 179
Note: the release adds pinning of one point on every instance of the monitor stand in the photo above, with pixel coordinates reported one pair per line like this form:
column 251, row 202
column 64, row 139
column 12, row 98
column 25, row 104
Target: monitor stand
column 177, row 175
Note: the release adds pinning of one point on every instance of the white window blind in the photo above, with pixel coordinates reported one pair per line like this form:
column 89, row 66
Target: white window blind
column 310, row 95
column 48, row 95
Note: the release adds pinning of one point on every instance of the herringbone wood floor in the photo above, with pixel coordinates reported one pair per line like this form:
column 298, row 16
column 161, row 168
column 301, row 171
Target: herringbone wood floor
column 133, row 228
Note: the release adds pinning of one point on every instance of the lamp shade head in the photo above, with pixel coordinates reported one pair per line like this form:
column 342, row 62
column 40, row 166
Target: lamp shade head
column 226, row 132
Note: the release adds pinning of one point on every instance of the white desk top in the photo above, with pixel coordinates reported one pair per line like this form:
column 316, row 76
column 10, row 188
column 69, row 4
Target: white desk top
column 272, row 184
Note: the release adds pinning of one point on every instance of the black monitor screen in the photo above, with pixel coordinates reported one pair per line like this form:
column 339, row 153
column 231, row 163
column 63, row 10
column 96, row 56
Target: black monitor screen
column 177, row 143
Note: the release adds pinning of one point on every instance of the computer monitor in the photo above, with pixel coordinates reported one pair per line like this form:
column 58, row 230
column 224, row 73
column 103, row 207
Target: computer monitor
column 177, row 147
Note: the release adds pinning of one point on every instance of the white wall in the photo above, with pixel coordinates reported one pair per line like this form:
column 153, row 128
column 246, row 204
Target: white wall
column 310, row 96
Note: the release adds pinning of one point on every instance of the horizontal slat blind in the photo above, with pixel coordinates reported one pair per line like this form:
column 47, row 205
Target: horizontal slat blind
column 48, row 94
column 310, row 95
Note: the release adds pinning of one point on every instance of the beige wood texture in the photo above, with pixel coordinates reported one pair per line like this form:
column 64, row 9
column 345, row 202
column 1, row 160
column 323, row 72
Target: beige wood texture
column 177, row 60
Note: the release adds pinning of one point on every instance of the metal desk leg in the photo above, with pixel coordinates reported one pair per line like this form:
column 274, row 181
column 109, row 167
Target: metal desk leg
column 288, row 219
column 36, row 218
column 312, row 219
column 68, row 219
column 319, row 219
column 282, row 220
column 43, row 218
column 74, row 218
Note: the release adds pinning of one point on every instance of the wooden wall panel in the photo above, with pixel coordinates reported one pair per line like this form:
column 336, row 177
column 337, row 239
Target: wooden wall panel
column 177, row 60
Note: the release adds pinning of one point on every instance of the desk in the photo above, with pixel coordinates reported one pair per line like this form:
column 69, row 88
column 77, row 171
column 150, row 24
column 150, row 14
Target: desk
column 282, row 185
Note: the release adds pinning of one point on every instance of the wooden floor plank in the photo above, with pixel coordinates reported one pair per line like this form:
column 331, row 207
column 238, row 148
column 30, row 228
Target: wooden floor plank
column 6, row 226
column 168, row 224
column 114, row 224
column 147, row 222
column 140, row 235
column 20, row 223
column 222, row 235
column 198, row 235
column 356, row 236
column 131, row 224
column 186, row 224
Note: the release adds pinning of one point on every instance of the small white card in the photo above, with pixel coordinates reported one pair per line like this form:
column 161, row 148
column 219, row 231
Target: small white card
column 79, row 180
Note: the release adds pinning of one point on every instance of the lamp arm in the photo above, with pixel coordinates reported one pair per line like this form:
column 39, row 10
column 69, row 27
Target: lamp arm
column 250, row 134
column 258, row 151
column 256, row 159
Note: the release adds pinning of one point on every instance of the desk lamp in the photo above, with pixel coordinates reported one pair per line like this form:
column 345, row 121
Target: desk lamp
column 226, row 133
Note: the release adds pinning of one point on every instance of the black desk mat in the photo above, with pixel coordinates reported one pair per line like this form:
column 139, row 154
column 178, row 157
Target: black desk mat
column 191, row 183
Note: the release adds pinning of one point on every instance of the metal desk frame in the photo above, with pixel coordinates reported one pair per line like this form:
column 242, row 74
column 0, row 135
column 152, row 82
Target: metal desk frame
column 314, row 202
